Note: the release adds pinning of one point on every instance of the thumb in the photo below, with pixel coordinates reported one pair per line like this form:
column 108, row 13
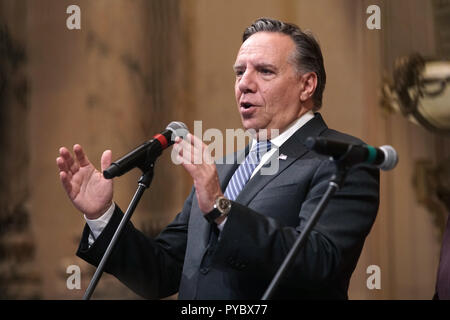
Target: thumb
column 106, row 159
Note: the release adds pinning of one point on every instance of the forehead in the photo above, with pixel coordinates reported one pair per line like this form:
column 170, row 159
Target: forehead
column 272, row 47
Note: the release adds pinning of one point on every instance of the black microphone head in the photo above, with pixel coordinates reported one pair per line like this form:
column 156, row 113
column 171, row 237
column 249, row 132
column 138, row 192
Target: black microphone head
column 112, row 171
column 310, row 143
column 178, row 129
column 328, row 147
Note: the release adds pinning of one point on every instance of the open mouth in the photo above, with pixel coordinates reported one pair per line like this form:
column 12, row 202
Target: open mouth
column 246, row 105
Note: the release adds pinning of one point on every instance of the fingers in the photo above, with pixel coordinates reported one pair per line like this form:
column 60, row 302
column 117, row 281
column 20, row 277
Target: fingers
column 197, row 142
column 187, row 151
column 67, row 158
column 192, row 150
column 63, row 176
column 80, row 155
column 62, row 164
column 67, row 167
column 66, row 162
column 106, row 159
column 201, row 151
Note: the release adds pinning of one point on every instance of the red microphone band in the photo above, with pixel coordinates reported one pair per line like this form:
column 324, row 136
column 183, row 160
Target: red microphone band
column 161, row 140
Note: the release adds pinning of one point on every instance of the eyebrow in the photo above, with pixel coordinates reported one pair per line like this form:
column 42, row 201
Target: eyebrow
column 237, row 66
column 258, row 66
column 266, row 65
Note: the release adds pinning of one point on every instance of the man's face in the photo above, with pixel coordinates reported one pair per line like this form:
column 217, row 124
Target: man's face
column 267, row 85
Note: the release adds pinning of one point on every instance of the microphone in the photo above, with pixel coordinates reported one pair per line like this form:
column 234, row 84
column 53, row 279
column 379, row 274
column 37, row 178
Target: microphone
column 147, row 152
column 384, row 157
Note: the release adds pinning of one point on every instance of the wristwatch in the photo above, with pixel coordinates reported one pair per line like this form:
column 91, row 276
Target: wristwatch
column 222, row 207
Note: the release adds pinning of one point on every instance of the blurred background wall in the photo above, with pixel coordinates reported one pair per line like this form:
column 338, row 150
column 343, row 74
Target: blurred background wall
column 135, row 65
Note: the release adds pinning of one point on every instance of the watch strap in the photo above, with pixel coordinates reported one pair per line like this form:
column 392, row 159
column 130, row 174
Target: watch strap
column 212, row 215
column 222, row 206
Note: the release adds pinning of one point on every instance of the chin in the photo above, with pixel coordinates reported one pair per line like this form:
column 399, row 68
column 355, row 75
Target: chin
column 250, row 125
column 255, row 122
column 254, row 130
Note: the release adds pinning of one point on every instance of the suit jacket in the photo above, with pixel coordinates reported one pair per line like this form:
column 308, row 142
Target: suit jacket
column 270, row 212
column 442, row 290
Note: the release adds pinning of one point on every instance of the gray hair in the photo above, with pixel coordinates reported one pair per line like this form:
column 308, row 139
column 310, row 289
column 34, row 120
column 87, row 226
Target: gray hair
column 308, row 56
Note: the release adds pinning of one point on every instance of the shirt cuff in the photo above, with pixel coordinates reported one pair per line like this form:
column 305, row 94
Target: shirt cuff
column 97, row 225
column 222, row 224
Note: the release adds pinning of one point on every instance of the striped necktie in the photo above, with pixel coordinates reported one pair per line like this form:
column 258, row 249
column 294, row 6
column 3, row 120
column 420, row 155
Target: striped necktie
column 245, row 170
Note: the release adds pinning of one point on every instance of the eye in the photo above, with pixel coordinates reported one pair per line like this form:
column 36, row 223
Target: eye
column 266, row 71
column 239, row 73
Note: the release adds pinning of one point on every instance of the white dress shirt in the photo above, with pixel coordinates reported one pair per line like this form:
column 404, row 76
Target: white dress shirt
column 99, row 224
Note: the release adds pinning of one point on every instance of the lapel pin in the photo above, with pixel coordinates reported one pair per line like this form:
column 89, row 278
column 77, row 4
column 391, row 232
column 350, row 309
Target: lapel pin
column 282, row 157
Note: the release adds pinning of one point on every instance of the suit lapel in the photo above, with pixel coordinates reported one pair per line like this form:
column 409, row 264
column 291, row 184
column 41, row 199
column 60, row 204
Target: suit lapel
column 226, row 171
column 294, row 148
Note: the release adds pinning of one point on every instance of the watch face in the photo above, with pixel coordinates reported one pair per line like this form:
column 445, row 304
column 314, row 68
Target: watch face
column 223, row 204
column 221, row 208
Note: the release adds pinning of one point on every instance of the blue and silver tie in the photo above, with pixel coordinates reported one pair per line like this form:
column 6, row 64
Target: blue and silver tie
column 245, row 170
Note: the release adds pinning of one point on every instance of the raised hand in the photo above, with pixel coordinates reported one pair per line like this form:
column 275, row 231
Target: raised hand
column 86, row 187
column 192, row 154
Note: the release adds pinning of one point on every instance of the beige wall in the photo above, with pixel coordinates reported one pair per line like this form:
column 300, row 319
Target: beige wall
column 107, row 86
column 136, row 65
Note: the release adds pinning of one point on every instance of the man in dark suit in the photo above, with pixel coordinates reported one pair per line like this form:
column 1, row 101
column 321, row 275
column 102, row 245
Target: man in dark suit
column 238, row 223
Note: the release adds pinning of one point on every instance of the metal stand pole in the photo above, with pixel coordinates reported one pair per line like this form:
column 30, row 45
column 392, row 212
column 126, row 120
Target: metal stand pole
column 144, row 183
column 335, row 183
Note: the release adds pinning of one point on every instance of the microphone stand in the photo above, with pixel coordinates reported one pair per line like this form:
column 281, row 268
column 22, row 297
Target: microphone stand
column 336, row 182
column 143, row 183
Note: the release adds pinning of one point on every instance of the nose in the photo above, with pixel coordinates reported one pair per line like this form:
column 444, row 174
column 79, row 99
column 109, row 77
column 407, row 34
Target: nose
column 246, row 83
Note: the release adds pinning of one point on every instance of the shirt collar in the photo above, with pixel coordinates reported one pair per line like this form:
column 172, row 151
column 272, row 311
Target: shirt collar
column 291, row 129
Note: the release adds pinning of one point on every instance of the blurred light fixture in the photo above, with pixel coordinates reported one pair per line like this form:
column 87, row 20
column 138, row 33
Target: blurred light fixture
column 420, row 90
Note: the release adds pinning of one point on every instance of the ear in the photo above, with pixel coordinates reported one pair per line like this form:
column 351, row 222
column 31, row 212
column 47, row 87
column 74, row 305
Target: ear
column 309, row 85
